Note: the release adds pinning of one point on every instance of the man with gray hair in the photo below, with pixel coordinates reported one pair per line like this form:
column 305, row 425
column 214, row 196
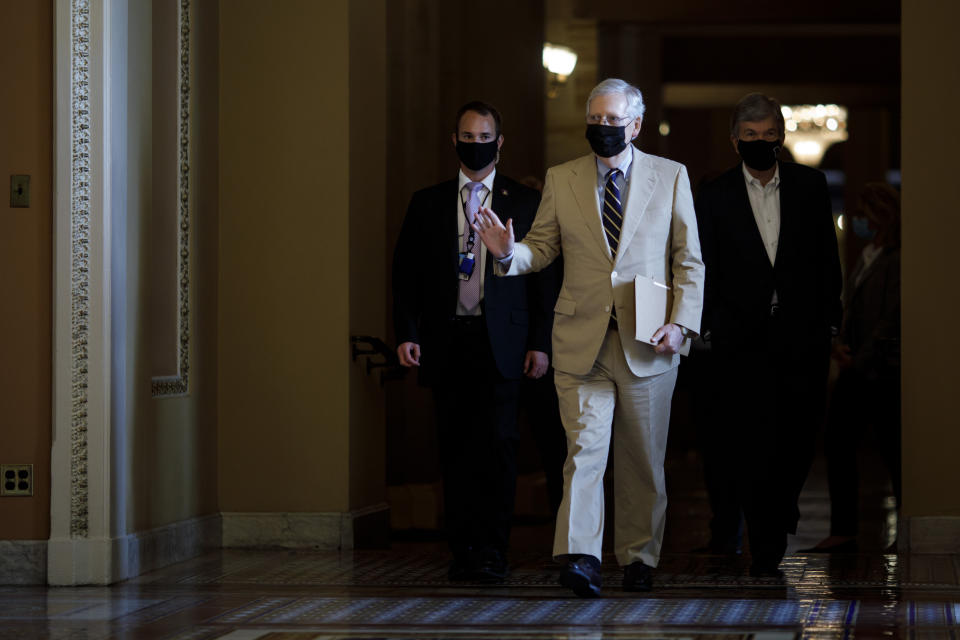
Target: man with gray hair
column 616, row 214
column 772, row 303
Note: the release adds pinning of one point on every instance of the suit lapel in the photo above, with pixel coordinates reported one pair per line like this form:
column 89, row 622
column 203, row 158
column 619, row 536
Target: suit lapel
column 788, row 202
column 500, row 200
column 448, row 227
column 501, row 204
column 643, row 180
column 740, row 203
column 583, row 182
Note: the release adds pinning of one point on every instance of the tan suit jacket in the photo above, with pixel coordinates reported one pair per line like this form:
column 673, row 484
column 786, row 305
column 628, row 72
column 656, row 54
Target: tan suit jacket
column 658, row 239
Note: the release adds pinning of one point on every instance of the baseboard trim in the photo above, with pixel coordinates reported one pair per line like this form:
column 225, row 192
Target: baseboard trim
column 99, row 561
column 321, row 531
column 929, row 534
column 170, row 544
column 23, row 562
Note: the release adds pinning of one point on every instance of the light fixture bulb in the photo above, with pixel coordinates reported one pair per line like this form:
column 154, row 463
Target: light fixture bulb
column 559, row 59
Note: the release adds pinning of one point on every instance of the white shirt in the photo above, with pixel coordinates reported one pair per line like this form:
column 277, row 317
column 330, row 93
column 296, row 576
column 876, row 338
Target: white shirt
column 622, row 181
column 765, row 202
column 484, row 195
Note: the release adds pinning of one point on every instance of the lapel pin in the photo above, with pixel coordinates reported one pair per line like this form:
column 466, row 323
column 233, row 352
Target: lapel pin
column 504, row 192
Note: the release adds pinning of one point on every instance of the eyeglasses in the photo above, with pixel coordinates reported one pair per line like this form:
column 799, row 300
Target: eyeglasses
column 613, row 121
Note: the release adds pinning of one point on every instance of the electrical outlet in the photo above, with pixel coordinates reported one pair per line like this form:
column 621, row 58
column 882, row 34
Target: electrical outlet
column 16, row 479
column 19, row 191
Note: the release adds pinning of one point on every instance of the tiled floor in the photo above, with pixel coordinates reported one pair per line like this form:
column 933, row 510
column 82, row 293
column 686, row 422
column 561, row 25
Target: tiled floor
column 402, row 593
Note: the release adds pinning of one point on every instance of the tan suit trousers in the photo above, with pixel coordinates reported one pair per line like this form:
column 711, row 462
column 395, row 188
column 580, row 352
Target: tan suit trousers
column 610, row 399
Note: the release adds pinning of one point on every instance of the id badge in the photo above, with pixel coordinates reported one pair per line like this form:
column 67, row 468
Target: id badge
column 467, row 260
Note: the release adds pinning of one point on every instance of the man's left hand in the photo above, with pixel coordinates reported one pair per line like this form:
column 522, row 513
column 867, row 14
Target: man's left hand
column 668, row 339
column 535, row 364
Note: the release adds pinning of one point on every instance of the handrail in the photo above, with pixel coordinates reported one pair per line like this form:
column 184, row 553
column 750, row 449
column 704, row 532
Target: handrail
column 371, row 346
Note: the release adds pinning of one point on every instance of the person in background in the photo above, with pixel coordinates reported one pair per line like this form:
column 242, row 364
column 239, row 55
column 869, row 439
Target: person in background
column 867, row 353
column 772, row 302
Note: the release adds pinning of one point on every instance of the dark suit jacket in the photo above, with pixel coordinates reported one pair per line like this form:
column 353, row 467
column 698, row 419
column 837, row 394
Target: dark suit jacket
column 871, row 324
column 740, row 279
column 518, row 311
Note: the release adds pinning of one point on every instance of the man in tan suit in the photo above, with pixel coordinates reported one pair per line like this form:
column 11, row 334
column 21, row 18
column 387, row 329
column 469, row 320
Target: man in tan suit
column 614, row 214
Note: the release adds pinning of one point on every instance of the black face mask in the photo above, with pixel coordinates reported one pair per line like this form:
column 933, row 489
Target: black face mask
column 606, row 141
column 758, row 154
column 477, row 155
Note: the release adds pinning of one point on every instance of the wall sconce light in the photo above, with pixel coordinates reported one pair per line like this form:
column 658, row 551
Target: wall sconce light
column 559, row 61
column 811, row 129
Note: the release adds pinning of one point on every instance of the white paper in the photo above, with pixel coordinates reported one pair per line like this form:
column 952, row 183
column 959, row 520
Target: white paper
column 651, row 299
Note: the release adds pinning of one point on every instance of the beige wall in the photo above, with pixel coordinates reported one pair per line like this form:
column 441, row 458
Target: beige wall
column 25, row 260
column 368, row 253
column 284, row 284
column 931, row 227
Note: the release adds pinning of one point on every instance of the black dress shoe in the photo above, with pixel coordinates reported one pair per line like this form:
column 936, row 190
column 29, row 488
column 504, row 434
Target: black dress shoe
column 764, row 570
column 462, row 566
column 459, row 570
column 718, row 550
column 637, row 577
column 582, row 575
column 492, row 567
column 847, row 546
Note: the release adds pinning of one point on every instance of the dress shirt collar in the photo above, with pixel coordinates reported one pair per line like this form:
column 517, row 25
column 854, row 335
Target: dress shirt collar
column 775, row 181
column 462, row 181
column 870, row 253
column 624, row 167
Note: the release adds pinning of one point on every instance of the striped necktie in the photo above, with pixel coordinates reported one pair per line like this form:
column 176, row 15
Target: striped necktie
column 612, row 210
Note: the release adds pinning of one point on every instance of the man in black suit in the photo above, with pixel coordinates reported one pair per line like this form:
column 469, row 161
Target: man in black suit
column 772, row 302
column 473, row 337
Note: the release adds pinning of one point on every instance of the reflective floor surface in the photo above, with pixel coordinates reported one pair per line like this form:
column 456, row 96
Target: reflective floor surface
column 402, row 593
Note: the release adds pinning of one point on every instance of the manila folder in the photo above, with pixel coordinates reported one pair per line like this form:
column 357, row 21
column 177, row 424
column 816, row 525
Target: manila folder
column 651, row 305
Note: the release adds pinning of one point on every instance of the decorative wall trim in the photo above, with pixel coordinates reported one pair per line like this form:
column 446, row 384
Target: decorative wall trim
column 80, row 196
column 929, row 534
column 178, row 384
column 23, row 562
column 319, row 531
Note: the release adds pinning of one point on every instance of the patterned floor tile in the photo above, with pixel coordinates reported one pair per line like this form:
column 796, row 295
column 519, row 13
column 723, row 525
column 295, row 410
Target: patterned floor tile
column 532, row 570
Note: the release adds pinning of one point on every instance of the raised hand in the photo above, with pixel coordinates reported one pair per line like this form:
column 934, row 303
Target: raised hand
column 497, row 237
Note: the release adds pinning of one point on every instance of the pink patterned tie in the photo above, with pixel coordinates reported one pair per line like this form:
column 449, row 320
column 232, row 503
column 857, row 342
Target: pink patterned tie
column 470, row 289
